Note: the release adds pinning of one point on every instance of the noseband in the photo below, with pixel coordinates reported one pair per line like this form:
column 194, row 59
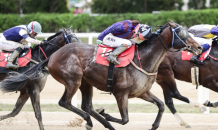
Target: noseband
column 173, row 34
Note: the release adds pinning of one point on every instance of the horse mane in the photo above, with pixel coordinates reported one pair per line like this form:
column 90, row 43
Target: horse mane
column 50, row 38
column 153, row 37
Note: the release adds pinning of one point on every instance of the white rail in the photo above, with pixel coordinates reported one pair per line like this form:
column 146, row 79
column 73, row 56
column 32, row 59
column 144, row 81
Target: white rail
column 90, row 36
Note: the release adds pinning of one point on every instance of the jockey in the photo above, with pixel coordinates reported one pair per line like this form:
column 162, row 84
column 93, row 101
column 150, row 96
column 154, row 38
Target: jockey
column 122, row 35
column 203, row 34
column 16, row 38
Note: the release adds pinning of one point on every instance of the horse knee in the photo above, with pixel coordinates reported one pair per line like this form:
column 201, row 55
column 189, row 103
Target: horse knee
column 161, row 107
column 61, row 103
column 38, row 117
column 125, row 121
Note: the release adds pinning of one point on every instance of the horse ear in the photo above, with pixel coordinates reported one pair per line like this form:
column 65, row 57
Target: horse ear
column 171, row 24
column 64, row 28
column 172, row 21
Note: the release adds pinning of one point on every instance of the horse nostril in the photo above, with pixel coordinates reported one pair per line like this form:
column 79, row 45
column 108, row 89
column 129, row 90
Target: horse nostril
column 199, row 47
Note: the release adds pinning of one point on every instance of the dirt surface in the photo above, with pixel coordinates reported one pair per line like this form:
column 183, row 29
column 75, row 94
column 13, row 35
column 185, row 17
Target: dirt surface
column 138, row 121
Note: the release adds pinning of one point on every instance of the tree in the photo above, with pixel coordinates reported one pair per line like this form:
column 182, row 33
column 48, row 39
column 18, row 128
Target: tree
column 197, row 4
column 9, row 6
column 136, row 6
column 49, row 6
column 214, row 4
column 33, row 6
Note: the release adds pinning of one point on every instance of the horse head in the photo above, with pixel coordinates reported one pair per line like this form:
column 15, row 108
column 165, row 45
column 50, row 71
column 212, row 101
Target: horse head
column 71, row 36
column 181, row 38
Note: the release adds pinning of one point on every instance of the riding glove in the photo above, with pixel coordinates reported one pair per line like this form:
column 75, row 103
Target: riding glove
column 99, row 42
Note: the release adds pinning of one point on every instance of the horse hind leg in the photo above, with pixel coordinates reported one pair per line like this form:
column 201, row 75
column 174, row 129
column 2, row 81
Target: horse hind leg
column 18, row 106
column 209, row 104
column 148, row 96
column 34, row 96
column 87, row 93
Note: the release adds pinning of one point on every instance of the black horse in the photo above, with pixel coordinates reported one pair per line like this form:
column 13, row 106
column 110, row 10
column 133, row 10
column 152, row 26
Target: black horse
column 34, row 87
column 75, row 67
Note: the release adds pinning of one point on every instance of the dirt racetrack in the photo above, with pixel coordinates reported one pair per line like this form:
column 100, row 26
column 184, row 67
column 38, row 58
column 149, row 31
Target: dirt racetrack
column 137, row 121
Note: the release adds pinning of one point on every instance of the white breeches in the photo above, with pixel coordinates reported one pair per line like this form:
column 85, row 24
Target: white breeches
column 9, row 45
column 201, row 41
column 112, row 41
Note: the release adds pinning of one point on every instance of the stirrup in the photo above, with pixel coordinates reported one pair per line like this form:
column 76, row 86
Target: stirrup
column 11, row 66
column 112, row 60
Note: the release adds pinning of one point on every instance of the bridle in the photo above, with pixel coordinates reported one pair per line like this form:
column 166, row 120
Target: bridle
column 66, row 38
column 173, row 34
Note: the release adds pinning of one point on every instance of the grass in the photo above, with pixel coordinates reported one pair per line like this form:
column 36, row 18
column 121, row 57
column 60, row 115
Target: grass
column 111, row 108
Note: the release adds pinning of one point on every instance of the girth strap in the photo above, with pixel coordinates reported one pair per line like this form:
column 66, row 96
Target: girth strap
column 110, row 77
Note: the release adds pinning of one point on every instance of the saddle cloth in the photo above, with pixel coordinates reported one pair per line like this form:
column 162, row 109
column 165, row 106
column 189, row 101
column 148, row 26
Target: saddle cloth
column 103, row 52
column 22, row 61
column 187, row 55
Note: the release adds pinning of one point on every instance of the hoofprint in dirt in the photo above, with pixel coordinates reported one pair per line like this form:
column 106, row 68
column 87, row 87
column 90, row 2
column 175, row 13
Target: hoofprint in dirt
column 138, row 121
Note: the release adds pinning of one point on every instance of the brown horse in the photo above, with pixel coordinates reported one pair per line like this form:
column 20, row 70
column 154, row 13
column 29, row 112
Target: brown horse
column 74, row 66
column 34, row 87
column 172, row 67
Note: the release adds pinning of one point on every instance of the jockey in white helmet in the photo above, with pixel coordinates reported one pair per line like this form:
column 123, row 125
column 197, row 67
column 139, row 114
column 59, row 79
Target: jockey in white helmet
column 16, row 39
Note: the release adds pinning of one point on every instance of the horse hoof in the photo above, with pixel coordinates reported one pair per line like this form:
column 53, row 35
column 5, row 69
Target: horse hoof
column 88, row 127
column 206, row 103
column 99, row 110
column 203, row 109
column 188, row 126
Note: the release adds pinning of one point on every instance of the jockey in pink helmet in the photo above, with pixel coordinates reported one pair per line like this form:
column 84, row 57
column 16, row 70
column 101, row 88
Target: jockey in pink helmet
column 16, row 38
column 122, row 35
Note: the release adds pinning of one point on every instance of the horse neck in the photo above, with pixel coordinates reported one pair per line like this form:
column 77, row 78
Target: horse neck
column 48, row 48
column 152, row 54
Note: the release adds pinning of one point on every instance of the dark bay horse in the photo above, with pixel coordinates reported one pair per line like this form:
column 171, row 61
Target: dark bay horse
column 172, row 67
column 34, row 87
column 74, row 66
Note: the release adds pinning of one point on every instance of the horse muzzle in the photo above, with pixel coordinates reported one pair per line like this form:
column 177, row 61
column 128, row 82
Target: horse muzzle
column 192, row 50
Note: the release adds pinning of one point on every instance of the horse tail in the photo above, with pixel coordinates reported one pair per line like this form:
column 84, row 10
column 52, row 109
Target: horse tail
column 16, row 81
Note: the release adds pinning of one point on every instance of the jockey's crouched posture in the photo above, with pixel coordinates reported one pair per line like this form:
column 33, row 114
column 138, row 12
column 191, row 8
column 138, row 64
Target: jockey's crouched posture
column 122, row 35
column 202, row 34
column 16, row 38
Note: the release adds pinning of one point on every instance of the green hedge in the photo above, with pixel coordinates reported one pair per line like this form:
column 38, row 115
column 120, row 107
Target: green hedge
column 86, row 23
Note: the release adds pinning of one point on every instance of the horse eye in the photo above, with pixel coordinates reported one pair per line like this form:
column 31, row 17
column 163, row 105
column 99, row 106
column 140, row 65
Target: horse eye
column 182, row 33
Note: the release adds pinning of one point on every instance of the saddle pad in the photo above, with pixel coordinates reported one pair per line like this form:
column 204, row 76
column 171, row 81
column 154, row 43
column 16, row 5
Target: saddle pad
column 21, row 61
column 187, row 55
column 103, row 52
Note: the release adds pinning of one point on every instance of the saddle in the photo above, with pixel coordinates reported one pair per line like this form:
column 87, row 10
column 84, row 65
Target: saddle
column 22, row 60
column 103, row 51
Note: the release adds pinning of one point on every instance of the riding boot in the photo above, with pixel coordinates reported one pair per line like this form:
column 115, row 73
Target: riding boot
column 196, row 60
column 13, row 56
column 113, row 56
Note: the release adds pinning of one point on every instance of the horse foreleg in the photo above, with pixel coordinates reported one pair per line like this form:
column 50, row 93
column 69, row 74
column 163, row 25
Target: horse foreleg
column 18, row 106
column 110, row 118
column 148, row 96
column 35, row 99
column 169, row 102
column 87, row 93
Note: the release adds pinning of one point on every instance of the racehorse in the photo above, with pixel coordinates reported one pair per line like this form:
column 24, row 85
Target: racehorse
column 172, row 67
column 34, row 87
column 74, row 66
